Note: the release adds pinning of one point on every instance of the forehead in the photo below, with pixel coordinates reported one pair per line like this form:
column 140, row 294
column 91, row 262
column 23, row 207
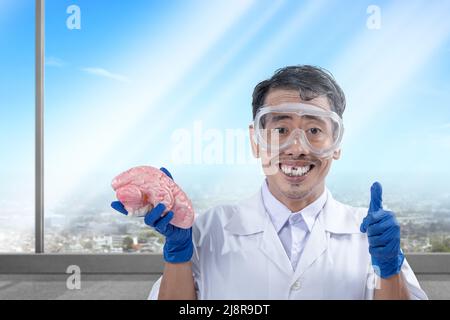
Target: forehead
column 279, row 96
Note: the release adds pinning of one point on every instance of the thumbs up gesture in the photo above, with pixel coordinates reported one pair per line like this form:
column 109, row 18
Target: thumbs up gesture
column 383, row 232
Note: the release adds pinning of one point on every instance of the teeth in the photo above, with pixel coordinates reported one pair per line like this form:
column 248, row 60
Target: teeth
column 295, row 171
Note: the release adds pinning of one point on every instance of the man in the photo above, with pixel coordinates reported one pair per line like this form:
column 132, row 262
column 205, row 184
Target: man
column 292, row 240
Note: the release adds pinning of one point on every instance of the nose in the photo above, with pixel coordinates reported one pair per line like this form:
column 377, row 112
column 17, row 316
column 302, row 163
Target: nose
column 296, row 147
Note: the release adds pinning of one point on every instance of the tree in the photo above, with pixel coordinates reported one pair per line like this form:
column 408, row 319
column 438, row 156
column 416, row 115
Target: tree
column 88, row 245
column 440, row 245
column 127, row 244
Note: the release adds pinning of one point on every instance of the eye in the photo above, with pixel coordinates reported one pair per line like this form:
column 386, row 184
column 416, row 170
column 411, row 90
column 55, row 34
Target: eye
column 281, row 130
column 315, row 131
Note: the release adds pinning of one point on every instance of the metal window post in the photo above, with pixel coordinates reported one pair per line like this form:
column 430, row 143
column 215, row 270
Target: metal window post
column 39, row 139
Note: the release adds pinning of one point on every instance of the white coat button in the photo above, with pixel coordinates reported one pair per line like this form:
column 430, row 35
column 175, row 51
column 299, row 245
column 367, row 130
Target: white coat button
column 296, row 285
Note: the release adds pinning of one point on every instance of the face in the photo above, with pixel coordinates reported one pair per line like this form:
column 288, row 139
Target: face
column 295, row 192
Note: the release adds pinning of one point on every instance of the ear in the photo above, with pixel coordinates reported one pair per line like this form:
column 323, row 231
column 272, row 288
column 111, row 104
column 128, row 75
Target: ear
column 255, row 147
column 337, row 154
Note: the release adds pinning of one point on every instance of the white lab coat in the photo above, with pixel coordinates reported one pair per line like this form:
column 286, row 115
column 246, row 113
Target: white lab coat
column 238, row 255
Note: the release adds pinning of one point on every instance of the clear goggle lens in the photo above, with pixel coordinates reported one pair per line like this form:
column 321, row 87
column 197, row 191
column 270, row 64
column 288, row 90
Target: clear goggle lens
column 317, row 130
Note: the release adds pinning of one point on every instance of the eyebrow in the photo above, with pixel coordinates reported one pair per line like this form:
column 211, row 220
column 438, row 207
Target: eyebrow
column 313, row 118
column 316, row 119
column 284, row 116
column 280, row 117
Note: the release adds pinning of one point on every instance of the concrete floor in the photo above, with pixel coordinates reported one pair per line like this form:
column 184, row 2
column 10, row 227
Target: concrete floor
column 98, row 287
column 134, row 287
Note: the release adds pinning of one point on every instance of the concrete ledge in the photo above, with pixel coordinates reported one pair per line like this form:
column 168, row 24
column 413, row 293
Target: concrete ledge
column 89, row 264
column 422, row 263
column 429, row 263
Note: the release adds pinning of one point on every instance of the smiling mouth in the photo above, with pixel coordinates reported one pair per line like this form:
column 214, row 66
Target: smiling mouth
column 295, row 170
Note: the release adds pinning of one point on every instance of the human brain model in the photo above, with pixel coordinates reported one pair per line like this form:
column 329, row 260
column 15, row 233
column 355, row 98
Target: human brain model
column 141, row 188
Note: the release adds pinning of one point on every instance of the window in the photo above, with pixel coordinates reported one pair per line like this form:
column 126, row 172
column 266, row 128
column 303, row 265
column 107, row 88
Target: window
column 17, row 126
column 170, row 84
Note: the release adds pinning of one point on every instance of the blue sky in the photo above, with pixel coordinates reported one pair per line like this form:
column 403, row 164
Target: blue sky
column 118, row 88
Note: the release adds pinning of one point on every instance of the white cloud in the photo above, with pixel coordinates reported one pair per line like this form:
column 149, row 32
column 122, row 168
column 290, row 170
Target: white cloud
column 105, row 73
column 54, row 62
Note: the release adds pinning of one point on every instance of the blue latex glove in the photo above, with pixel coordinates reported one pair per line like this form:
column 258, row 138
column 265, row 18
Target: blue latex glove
column 383, row 232
column 178, row 246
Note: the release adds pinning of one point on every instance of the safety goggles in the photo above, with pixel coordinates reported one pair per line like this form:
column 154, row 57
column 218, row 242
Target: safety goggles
column 317, row 130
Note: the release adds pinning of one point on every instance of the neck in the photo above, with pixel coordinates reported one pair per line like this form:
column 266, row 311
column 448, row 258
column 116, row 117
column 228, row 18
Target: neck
column 297, row 204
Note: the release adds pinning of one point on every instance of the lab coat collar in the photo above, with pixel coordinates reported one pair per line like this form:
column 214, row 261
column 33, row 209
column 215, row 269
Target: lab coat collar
column 340, row 218
column 249, row 218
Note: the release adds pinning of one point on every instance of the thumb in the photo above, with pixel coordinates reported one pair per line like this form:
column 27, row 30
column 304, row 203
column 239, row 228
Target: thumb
column 375, row 205
column 376, row 197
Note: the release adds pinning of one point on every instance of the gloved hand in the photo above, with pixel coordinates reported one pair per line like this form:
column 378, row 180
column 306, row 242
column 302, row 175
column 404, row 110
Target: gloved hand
column 383, row 232
column 178, row 246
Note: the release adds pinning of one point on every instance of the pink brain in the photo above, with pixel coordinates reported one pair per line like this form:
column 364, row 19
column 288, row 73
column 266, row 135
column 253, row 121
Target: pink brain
column 140, row 189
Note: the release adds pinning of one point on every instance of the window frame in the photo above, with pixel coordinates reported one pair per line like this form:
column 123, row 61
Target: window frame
column 39, row 135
